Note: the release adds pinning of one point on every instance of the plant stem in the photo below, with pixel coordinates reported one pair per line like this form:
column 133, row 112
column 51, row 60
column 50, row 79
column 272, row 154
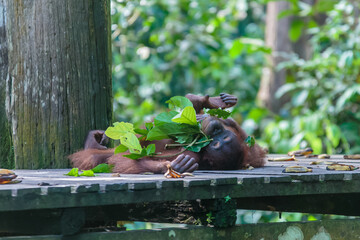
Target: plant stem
column 175, row 154
column 185, row 144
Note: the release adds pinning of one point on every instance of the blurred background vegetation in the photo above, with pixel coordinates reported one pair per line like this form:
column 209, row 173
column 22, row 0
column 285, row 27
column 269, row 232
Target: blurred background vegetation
column 163, row 48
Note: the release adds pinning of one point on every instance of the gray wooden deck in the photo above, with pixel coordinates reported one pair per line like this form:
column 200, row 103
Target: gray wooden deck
column 266, row 188
column 60, row 191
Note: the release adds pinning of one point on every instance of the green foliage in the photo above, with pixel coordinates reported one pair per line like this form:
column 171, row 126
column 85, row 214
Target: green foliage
column 103, row 168
column 324, row 91
column 87, row 173
column 166, row 48
column 178, row 102
column 250, row 141
column 180, row 126
column 219, row 113
column 186, row 116
column 73, row 173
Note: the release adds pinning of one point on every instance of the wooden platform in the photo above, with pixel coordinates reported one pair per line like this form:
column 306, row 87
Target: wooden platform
column 266, row 188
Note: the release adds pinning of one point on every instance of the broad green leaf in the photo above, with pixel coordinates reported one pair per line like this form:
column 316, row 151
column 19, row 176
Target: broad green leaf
column 133, row 156
column 187, row 116
column 236, row 49
column 132, row 142
column 150, row 149
column 73, row 172
column 149, row 126
column 250, row 141
column 164, row 117
column 185, row 138
column 88, row 173
column 285, row 89
column 179, row 102
column 333, row 133
column 140, row 131
column 296, row 29
column 299, row 98
column 121, row 148
column 227, row 198
column 156, row 134
column 119, row 130
column 347, row 96
column 219, row 113
column 171, row 130
column 198, row 146
column 324, row 5
column 103, row 168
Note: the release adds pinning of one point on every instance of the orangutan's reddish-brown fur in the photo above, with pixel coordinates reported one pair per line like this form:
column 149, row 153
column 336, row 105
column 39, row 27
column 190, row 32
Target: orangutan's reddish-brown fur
column 227, row 151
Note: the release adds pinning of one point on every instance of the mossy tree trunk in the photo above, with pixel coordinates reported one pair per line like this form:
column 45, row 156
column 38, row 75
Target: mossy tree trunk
column 6, row 153
column 59, row 77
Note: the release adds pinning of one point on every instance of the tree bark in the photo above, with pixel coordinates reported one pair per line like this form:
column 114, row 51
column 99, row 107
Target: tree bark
column 276, row 37
column 6, row 153
column 59, row 77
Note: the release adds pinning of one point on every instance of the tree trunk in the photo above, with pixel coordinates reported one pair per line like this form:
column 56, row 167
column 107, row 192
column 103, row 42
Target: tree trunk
column 59, row 77
column 6, row 153
column 276, row 37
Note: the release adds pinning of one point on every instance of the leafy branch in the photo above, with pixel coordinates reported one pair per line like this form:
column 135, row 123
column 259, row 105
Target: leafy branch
column 179, row 124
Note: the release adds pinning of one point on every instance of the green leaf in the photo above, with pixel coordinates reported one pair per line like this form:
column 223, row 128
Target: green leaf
column 296, row 29
column 119, row 130
column 73, row 172
column 324, row 5
column 150, row 149
column 120, row 149
column 149, row 126
column 168, row 130
column 103, row 168
column 185, row 138
column 227, row 198
column 165, row 117
column 236, row 49
column 199, row 145
column 141, row 131
column 299, row 98
column 187, row 116
column 250, row 141
column 333, row 133
column 133, row 156
column 179, row 102
column 130, row 141
column 88, row 173
column 285, row 89
column 156, row 134
column 219, row 113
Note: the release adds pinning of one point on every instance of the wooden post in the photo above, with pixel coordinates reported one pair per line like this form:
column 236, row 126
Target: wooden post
column 59, row 77
column 6, row 152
